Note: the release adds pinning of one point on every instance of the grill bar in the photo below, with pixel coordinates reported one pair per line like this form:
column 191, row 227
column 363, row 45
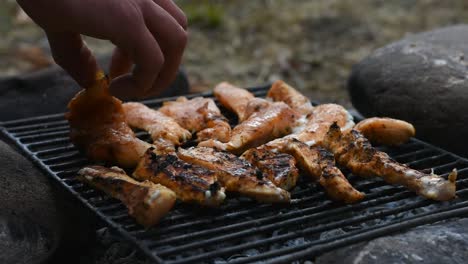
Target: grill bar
column 190, row 234
column 318, row 216
column 431, row 217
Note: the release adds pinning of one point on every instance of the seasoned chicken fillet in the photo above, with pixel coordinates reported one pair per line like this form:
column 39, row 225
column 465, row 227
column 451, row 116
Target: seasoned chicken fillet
column 199, row 115
column 98, row 126
column 319, row 164
column 282, row 92
column 385, row 131
column 146, row 201
column 157, row 124
column 313, row 123
column 233, row 98
column 272, row 122
column 279, row 168
column 191, row 183
column 318, row 123
column 235, row 174
column 356, row 153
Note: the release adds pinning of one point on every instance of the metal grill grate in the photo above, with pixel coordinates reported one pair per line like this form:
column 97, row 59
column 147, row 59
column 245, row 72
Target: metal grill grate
column 243, row 231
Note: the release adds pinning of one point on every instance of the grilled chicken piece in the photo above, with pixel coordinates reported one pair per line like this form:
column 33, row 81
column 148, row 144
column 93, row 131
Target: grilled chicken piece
column 280, row 91
column 385, row 131
column 158, row 125
column 234, row 99
column 355, row 152
column 256, row 105
column 146, row 201
column 279, row 168
column 319, row 164
column 312, row 129
column 270, row 123
column 318, row 123
column 200, row 115
column 98, row 126
column 191, row 183
column 235, row 174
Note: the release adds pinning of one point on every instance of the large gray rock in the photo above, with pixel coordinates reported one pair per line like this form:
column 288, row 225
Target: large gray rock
column 422, row 79
column 433, row 244
column 38, row 220
column 30, row 221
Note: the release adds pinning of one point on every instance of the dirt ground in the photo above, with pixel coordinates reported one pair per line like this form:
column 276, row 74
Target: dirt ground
column 310, row 44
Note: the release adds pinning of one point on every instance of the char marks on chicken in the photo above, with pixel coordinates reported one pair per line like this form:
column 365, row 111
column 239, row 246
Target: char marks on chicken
column 319, row 164
column 235, row 174
column 275, row 138
column 191, row 183
column 279, row 168
column 355, row 152
column 146, row 201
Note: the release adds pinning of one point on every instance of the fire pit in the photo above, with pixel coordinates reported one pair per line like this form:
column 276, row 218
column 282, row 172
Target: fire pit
column 242, row 230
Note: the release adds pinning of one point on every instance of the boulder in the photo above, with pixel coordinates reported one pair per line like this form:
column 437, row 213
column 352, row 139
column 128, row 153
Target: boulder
column 422, row 79
column 431, row 244
column 30, row 222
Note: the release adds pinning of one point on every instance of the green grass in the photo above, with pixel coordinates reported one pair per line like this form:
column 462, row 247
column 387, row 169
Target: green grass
column 204, row 14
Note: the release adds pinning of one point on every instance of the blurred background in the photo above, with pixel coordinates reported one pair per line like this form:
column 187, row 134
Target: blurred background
column 310, row 44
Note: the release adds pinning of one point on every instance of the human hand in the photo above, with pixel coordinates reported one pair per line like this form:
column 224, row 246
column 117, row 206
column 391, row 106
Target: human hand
column 148, row 33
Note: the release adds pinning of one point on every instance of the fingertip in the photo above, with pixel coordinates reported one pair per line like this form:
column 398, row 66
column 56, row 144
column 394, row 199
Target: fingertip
column 162, row 83
column 121, row 63
column 183, row 21
column 124, row 87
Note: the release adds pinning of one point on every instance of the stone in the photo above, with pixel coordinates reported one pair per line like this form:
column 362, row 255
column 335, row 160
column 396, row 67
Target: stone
column 431, row 244
column 39, row 220
column 422, row 79
column 48, row 91
column 30, row 221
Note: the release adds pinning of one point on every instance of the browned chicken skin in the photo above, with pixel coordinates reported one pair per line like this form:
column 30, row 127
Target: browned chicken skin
column 234, row 99
column 200, row 115
column 356, row 153
column 266, row 157
column 157, row 124
column 272, row 122
column 318, row 123
column 319, row 164
column 235, row 174
column 191, row 183
column 275, row 134
column 386, row 131
column 352, row 150
column 279, row 168
column 98, row 126
column 146, row 201
column 280, row 91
